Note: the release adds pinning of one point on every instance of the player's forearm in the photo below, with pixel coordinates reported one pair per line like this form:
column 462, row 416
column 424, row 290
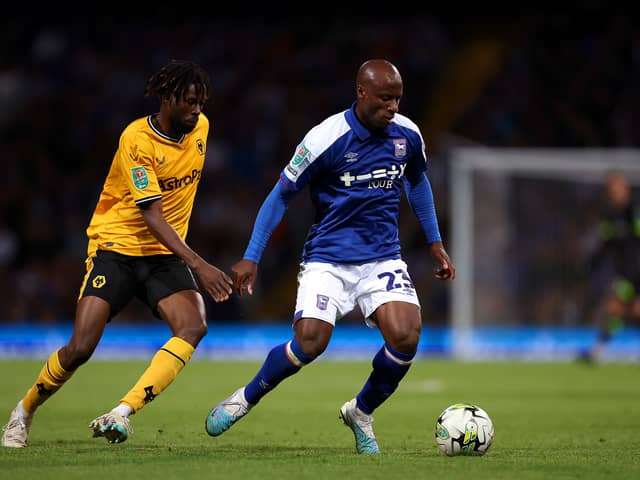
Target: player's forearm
column 169, row 237
column 268, row 218
column 421, row 200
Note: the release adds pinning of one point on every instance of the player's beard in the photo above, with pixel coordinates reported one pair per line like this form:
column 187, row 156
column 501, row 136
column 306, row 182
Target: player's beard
column 182, row 127
column 188, row 128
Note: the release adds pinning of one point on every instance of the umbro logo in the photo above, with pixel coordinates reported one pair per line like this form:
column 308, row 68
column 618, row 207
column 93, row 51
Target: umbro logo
column 351, row 157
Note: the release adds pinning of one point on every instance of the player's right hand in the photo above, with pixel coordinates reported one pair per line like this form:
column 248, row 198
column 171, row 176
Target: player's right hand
column 244, row 274
column 214, row 281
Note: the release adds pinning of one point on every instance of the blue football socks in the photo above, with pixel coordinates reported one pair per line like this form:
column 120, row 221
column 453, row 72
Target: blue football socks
column 389, row 367
column 282, row 361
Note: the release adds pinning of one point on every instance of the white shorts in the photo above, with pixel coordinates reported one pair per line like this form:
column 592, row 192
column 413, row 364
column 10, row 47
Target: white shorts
column 329, row 292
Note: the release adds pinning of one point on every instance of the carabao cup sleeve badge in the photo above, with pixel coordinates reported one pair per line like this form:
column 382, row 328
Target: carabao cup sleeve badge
column 140, row 178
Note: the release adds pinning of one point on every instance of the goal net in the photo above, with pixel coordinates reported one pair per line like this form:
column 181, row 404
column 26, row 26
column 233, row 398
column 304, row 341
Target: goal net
column 522, row 230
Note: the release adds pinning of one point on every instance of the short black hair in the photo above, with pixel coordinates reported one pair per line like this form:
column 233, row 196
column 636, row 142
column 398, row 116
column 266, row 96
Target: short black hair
column 175, row 78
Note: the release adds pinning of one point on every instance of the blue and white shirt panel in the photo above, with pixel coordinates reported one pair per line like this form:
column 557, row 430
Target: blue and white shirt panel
column 355, row 180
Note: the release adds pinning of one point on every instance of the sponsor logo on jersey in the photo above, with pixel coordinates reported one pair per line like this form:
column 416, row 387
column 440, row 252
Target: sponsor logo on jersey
column 173, row 183
column 400, row 147
column 378, row 178
column 140, row 178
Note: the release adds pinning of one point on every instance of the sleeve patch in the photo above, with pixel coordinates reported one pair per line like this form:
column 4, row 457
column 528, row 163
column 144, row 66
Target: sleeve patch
column 300, row 156
column 298, row 163
column 140, row 178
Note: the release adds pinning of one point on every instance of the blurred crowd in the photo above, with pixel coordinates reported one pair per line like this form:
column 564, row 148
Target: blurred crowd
column 68, row 88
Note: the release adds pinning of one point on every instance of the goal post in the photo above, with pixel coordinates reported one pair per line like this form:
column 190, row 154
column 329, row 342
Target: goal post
column 483, row 169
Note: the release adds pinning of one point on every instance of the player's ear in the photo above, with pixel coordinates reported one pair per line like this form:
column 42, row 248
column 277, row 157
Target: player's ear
column 168, row 99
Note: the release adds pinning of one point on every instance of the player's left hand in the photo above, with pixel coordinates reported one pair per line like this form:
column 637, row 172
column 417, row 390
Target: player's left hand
column 244, row 274
column 445, row 269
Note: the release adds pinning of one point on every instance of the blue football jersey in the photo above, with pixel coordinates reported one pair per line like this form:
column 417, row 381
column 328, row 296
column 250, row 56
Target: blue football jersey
column 355, row 179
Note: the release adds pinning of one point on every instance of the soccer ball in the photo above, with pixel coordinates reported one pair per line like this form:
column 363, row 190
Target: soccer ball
column 464, row 429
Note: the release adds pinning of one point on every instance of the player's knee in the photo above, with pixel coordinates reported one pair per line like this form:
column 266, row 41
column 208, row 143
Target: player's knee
column 313, row 339
column 201, row 330
column 313, row 349
column 75, row 354
column 405, row 341
column 193, row 333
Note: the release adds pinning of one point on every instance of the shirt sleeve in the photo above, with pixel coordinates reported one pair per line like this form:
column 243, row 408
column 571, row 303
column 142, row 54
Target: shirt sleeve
column 269, row 216
column 135, row 161
column 420, row 198
column 418, row 162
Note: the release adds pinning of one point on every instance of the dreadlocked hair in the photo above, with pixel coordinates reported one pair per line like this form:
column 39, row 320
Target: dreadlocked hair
column 175, row 78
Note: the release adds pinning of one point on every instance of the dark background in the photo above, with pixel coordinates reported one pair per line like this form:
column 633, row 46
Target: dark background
column 70, row 83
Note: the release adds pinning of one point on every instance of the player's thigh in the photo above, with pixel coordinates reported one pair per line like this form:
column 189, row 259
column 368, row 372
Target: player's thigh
column 92, row 315
column 184, row 312
column 111, row 277
column 171, row 291
column 182, row 309
column 163, row 276
column 400, row 324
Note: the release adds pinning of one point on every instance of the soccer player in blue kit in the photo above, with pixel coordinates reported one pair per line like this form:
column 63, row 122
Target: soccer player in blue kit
column 355, row 164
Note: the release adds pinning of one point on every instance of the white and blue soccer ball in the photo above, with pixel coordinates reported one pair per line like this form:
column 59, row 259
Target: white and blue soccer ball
column 464, row 429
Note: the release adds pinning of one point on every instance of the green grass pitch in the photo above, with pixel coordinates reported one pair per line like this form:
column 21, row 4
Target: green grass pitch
column 552, row 421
